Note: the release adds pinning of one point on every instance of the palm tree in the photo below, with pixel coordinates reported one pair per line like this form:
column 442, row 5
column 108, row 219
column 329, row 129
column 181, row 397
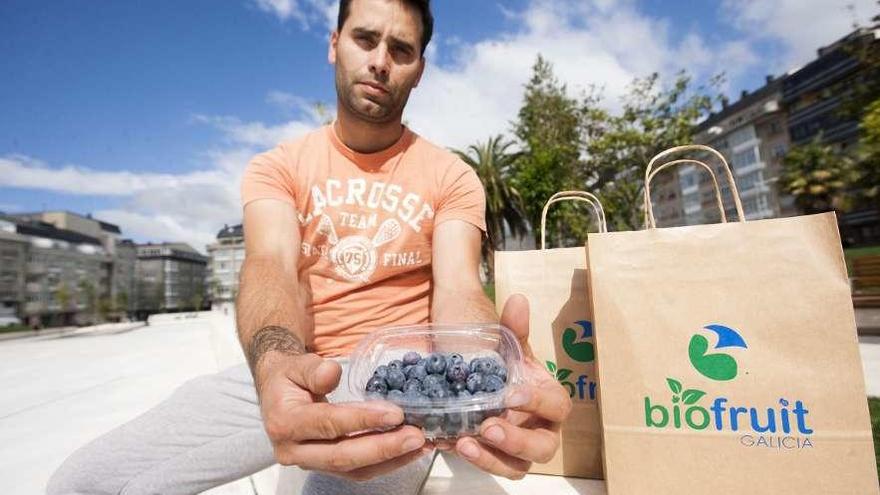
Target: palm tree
column 818, row 177
column 505, row 212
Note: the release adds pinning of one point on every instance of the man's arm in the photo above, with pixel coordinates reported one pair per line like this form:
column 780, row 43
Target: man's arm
column 529, row 431
column 275, row 332
column 271, row 310
column 457, row 292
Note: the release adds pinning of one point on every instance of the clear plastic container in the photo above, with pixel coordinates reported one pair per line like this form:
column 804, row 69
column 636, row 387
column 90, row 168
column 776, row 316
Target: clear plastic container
column 449, row 417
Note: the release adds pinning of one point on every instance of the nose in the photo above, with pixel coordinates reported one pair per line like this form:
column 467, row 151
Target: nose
column 379, row 61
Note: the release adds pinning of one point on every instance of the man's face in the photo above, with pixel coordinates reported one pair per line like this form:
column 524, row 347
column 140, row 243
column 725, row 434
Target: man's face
column 377, row 57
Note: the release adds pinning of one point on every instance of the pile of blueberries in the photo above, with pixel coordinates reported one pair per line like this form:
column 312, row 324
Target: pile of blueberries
column 422, row 383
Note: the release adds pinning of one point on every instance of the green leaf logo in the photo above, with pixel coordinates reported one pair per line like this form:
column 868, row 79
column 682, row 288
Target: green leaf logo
column 579, row 349
column 689, row 396
column 561, row 374
column 719, row 367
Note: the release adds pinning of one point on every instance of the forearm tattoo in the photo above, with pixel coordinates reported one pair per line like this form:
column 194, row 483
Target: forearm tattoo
column 272, row 338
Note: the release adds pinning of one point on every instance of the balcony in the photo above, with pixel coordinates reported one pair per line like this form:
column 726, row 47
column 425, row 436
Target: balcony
column 36, row 268
column 752, row 167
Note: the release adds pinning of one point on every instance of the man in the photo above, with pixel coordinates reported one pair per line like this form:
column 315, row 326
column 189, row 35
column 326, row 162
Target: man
column 354, row 226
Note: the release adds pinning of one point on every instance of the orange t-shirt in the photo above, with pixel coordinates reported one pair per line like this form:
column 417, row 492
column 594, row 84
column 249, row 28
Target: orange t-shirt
column 366, row 222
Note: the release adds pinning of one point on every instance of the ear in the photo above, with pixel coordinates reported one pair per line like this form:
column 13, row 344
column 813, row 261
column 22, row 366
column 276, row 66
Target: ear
column 421, row 71
column 331, row 51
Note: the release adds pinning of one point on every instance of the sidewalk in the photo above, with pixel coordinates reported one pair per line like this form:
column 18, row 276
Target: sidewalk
column 62, row 391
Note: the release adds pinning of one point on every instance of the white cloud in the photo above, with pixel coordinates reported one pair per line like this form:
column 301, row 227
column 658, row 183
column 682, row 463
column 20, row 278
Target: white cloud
column 801, row 26
column 592, row 42
column 283, row 9
column 256, row 134
column 195, row 231
column 26, row 172
column 189, row 207
column 605, row 43
column 309, row 13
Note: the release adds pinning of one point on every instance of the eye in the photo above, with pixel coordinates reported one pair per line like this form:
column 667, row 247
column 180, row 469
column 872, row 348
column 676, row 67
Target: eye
column 365, row 41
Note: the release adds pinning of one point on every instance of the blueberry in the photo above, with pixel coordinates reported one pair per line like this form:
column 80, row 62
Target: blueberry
column 395, row 379
column 472, row 365
column 464, row 394
column 436, row 363
column 458, row 372
column 377, row 384
column 431, row 381
column 412, row 384
column 485, row 365
column 502, row 373
column 492, row 383
column 433, row 422
column 438, row 392
column 452, row 424
column 455, row 358
column 407, row 369
column 395, row 395
column 415, row 419
column 458, row 388
column 411, row 358
column 397, row 364
column 422, row 362
column 381, row 371
column 475, row 382
column 417, row 372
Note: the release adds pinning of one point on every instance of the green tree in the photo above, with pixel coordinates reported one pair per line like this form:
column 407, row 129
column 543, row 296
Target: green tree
column 63, row 296
column 580, row 144
column 105, row 307
column 197, row 299
column 214, row 288
column 548, row 128
column 504, row 204
column 89, row 297
column 122, row 302
column 619, row 146
column 159, row 296
column 868, row 155
column 860, row 92
column 817, row 177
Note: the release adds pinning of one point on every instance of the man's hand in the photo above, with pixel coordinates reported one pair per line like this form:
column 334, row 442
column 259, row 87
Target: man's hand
column 311, row 433
column 530, row 430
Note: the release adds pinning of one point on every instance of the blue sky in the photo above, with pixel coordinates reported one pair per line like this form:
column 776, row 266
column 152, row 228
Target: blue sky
column 145, row 113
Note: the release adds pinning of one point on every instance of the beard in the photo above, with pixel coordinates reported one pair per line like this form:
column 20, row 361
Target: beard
column 377, row 109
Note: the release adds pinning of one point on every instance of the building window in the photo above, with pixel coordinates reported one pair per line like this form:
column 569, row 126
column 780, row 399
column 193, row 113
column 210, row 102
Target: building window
column 750, row 180
column 779, row 151
column 741, row 136
column 745, row 158
column 688, row 180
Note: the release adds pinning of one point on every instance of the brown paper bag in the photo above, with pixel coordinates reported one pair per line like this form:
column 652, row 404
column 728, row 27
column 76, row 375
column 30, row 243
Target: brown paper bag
column 560, row 333
column 728, row 358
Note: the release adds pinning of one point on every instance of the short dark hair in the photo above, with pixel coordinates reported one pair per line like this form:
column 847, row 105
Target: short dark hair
column 422, row 6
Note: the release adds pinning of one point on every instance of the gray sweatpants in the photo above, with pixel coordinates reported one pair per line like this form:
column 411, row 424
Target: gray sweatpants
column 207, row 433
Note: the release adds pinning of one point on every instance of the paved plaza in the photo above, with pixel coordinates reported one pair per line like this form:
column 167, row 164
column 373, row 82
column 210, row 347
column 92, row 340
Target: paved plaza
column 62, row 389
